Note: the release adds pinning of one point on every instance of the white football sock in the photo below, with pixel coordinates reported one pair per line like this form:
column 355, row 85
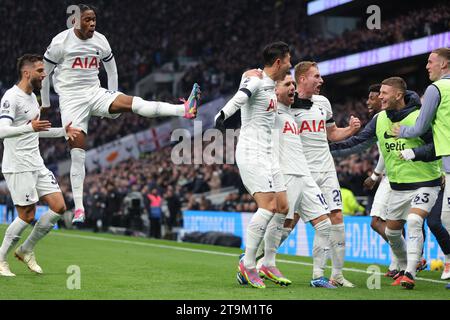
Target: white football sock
column 151, row 109
column 321, row 247
column 394, row 262
column 45, row 223
column 260, row 251
column 272, row 238
column 337, row 246
column 445, row 217
column 12, row 236
column 77, row 174
column 255, row 233
column 398, row 246
column 415, row 242
column 285, row 234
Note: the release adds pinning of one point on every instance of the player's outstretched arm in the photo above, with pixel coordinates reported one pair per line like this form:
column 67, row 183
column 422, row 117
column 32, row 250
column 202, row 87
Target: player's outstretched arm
column 336, row 134
column 431, row 100
column 8, row 131
column 68, row 132
column 248, row 86
column 366, row 138
column 424, row 153
column 232, row 106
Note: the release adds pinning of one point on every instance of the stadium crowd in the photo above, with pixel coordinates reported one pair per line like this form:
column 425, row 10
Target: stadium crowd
column 224, row 41
column 224, row 36
column 222, row 58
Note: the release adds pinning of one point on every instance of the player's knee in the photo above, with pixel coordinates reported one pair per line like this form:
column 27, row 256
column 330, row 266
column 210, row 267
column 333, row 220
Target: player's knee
column 375, row 224
column 28, row 216
column 60, row 208
column 336, row 217
column 322, row 224
column 283, row 209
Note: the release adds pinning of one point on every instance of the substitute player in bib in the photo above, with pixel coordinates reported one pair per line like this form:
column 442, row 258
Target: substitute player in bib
column 314, row 119
column 435, row 113
column 380, row 202
column 26, row 176
column 415, row 184
column 254, row 156
column 74, row 55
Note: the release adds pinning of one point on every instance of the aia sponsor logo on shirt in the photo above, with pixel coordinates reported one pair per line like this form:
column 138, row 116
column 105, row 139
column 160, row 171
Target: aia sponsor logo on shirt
column 272, row 105
column 85, row 63
column 312, row 126
column 306, row 126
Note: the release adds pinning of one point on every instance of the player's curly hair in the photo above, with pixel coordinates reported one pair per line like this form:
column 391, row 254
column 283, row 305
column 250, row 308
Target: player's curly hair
column 84, row 7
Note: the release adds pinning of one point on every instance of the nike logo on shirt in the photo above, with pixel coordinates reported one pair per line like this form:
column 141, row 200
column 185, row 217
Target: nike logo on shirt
column 388, row 136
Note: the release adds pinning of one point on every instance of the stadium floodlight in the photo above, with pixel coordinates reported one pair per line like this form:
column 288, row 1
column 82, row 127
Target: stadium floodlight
column 384, row 54
column 322, row 5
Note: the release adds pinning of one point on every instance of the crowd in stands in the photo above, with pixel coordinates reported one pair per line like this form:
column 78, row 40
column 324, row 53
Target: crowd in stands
column 225, row 41
column 184, row 186
column 225, row 37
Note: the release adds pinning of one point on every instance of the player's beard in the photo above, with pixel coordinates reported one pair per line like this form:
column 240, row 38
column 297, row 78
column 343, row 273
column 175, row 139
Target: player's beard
column 36, row 83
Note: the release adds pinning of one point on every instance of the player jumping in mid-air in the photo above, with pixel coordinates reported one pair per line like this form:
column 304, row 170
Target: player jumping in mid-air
column 314, row 118
column 254, row 156
column 26, row 176
column 74, row 55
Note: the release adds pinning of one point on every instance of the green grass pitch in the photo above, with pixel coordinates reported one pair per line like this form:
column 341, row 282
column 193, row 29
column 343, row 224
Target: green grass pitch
column 120, row 267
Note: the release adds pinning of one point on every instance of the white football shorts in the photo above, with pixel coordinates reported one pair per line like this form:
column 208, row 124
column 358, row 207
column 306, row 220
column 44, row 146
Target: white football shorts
column 329, row 184
column 259, row 175
column 304, row 198
column 27, row 187
column 446, row 198
column 380, row 201
column 400, row 202
column 94, row 103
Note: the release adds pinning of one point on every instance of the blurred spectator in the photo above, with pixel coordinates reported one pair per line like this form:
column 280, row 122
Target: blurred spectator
column 155, row 214
column 174, row 207
column 133, row 205
column 350, row 205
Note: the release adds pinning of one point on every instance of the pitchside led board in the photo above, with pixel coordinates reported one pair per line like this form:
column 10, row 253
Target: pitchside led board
column 362, row 243
column 40, row 210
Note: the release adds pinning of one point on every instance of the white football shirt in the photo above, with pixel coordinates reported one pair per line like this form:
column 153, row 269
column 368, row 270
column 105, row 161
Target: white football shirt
column 21, row 153
column 258, row 117
column 312, row 125
column 288, row 147
column 77, row 62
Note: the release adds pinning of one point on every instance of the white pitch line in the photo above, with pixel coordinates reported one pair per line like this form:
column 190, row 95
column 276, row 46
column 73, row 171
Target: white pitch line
column 145, row 244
